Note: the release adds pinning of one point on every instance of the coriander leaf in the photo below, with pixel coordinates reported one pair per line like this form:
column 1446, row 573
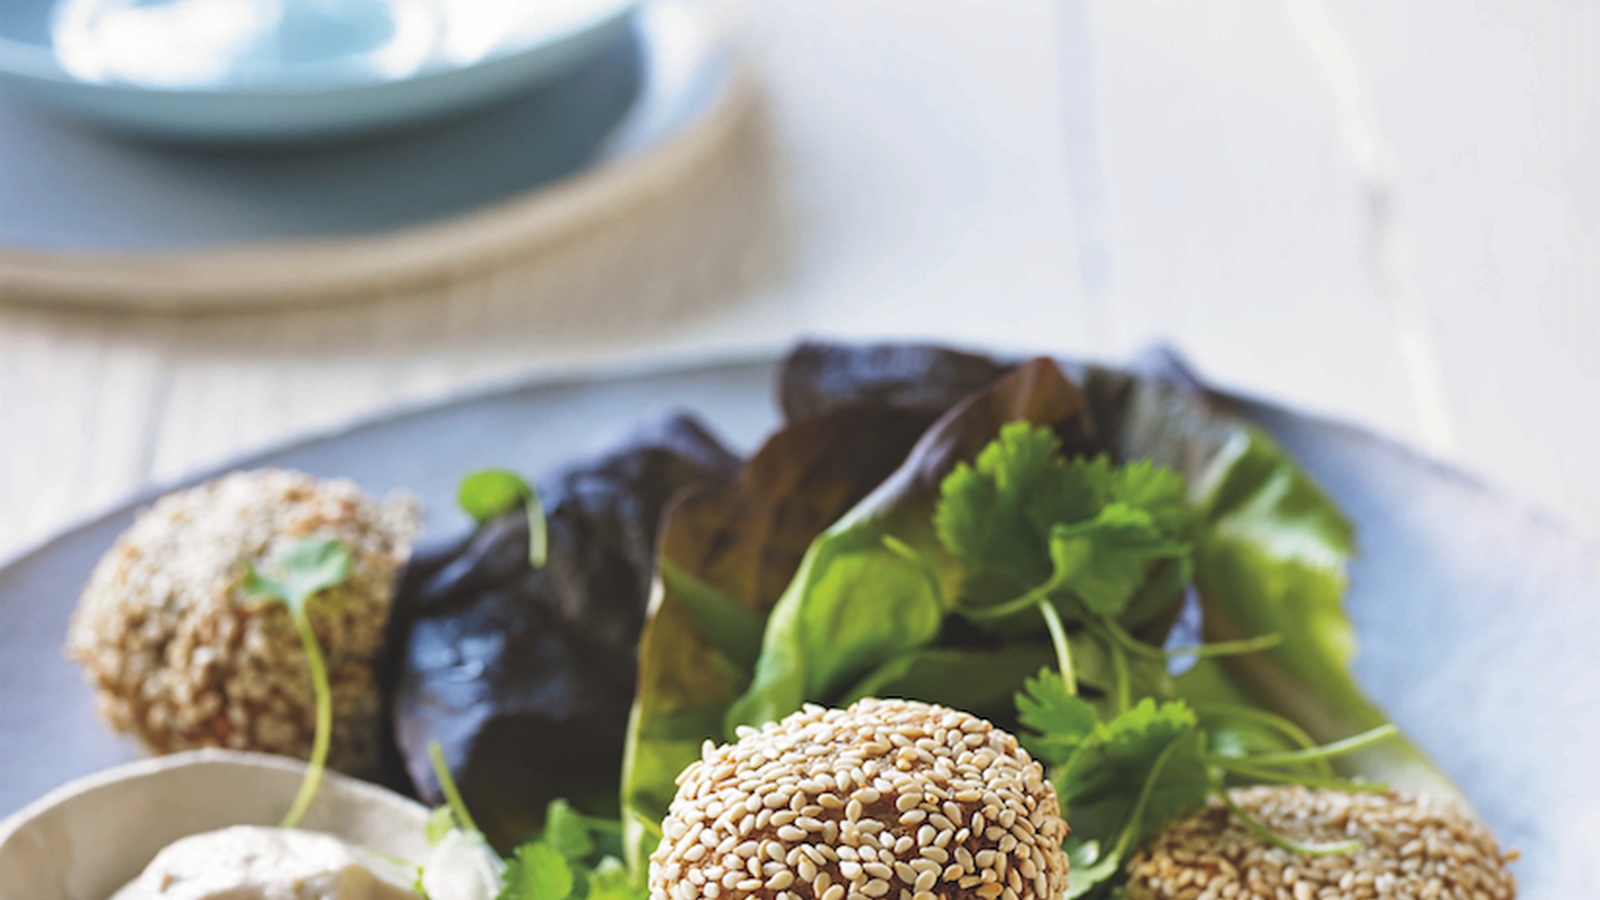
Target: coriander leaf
column 994, row 515
column 1104, row 782
column 1060, row 720
column 300, row 571
column 566, row 831
column 440, row 822
column 1157, row 490
column 537, row 871
column 490, row 493
column 1104, row 561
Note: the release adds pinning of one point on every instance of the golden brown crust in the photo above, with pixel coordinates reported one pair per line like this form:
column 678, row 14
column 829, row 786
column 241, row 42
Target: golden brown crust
column 1411, row 846
column 180, row 656
column 885, row 799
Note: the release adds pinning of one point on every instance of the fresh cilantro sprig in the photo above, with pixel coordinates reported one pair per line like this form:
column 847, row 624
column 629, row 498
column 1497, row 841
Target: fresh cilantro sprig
column 293, row 577
column 1082, row 540
column 1123, row 778
column 489, row 493
column 1096, row 547
column 1025, row 517
column 571, row 860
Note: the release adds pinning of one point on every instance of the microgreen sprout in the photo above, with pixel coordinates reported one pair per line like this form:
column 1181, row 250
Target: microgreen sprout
column 302, row 571
column 459, row 814
column 490, row 493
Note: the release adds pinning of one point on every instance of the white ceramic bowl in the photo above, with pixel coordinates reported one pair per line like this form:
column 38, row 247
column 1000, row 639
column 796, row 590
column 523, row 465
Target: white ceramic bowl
column 85, row 840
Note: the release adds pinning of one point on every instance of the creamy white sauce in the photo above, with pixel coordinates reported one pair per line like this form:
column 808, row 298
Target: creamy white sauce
column 255, row 863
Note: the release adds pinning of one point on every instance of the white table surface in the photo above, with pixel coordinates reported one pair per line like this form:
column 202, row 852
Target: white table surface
column 1389, row 213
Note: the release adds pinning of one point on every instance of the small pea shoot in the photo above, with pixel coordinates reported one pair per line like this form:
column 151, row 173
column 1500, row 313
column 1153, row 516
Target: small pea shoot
column 490, row 493
column 302, row 571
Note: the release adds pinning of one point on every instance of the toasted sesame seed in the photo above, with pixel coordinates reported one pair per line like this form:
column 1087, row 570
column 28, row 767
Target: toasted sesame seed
column 1411, row 846
column 181, row 655
column 862, row 804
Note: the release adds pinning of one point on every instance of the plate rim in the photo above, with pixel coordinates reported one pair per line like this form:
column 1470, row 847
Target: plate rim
column 603, row 371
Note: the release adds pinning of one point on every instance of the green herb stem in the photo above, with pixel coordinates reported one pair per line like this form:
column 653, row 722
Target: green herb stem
column 1260, row 716
column 1271, row 720
column 447, row 786
column 324, row 728
column 1327, row 751
column 1128, row 642
column 1278, row 840
column 538, row 528
column 1130, row 829
column 1036, row 595
column 1058, row 639
column 1229, row 648
column 1237, row 766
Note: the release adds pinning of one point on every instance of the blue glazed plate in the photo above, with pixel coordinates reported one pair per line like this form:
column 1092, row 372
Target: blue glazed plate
column 1478, row 619
column 282, row 71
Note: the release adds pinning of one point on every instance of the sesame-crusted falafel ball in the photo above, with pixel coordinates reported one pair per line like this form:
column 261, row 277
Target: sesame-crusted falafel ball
column 887, row 798
column 1411, row 846
column 181, row 656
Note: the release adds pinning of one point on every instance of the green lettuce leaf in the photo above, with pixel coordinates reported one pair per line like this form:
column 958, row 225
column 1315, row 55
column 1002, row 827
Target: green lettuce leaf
column 1270, row 558
column 879, row 582
column 727, row 552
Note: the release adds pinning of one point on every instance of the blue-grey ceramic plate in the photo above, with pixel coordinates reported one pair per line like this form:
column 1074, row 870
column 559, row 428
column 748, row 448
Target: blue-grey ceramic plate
column 288, row 70
column 1478, row 619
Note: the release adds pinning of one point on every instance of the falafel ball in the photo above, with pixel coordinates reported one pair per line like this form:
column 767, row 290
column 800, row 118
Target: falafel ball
column 1411, row 846
column 888, row 798
column 181, row 656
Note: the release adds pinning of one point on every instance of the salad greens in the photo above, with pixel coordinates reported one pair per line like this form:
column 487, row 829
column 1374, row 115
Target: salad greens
column 1272, row 560
column 303, row 570
column 885, row 555
column 1075, row 548
column 726, row 553
column 526, row 676
column 575, row 857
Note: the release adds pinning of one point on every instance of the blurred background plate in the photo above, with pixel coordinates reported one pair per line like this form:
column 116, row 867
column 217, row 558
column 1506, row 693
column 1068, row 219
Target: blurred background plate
column 1478, row 619
column 85, row 219
column 288, row 70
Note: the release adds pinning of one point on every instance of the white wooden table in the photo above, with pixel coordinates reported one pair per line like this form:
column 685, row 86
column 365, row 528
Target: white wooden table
column 1390, row 214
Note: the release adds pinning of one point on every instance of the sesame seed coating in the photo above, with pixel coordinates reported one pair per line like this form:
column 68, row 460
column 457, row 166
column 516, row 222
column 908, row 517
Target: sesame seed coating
column 884, row 790
column 1411, row 846
column 181, row 657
